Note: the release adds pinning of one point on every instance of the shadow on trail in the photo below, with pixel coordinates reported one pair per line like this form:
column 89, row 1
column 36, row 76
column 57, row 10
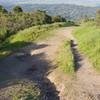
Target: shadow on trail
column 34, row 68
column 77, row 56
column 38, row 72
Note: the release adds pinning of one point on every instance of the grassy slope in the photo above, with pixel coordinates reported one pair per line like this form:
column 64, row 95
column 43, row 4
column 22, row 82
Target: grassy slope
column 88, row 36
column 27, row 36
column 64, row 58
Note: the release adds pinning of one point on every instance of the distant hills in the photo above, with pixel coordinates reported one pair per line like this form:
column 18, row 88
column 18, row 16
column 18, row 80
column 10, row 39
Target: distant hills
column 68, row 11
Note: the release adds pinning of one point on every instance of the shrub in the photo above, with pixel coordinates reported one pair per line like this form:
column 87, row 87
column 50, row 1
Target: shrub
column 58, row 19
column 3, row 33
column 17, row 9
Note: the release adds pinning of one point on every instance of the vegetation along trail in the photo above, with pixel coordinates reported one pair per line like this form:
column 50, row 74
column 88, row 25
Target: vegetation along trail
column 37, row 63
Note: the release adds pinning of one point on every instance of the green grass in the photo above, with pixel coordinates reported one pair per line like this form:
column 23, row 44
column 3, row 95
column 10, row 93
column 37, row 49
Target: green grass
column 27, row 36
column 64, row 58
column 88, row 36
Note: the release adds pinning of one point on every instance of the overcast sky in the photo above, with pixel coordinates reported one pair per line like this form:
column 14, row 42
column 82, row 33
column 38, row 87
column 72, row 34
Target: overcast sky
column 79, row 2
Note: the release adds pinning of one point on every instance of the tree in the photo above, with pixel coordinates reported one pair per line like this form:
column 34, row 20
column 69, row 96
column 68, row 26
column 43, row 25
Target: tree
column 58, row 19
column 17, row 9
column 98, row 17
column 41, row 17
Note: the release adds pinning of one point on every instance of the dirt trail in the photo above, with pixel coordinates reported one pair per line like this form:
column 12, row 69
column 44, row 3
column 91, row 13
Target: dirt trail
column 85, row 85
column 38, row 65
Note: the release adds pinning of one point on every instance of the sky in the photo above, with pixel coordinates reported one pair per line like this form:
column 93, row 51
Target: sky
column 77, row 2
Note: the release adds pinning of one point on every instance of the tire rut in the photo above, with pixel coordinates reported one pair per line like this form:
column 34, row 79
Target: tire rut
column 85, row 75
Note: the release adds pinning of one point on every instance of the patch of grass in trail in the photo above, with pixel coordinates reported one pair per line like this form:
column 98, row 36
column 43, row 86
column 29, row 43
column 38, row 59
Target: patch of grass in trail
column 21, row 90
column 88, row 36
column 64, row 58
column 27, row 36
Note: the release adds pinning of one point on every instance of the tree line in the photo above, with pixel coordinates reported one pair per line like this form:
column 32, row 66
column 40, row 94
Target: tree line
column 17, row 19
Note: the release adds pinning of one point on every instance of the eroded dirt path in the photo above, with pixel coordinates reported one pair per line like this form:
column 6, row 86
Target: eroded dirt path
column 38, row 64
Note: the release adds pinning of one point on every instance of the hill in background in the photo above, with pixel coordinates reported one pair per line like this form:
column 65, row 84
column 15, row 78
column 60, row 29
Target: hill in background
column 68, row 11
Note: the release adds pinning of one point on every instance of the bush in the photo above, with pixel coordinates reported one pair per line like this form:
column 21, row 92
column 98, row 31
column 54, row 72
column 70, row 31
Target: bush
column 17, row 9
column 58, row 19
column 3, row 33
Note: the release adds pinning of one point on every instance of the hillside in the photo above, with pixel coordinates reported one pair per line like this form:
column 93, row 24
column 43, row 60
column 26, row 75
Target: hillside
column 66, row 10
